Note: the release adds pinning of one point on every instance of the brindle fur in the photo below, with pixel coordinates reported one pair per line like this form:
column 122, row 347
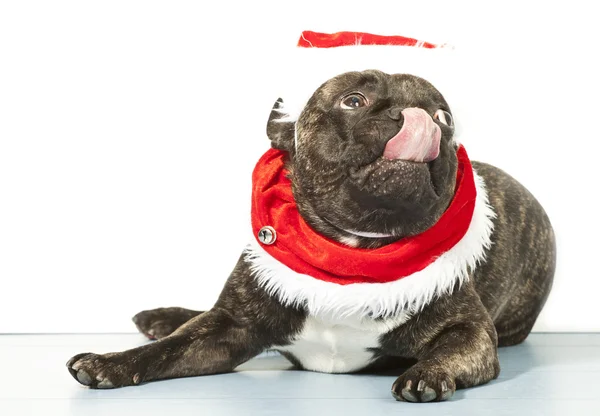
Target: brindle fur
column 453, row 340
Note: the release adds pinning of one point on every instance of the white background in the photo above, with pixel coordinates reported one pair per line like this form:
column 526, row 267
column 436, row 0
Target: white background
column 128, row 131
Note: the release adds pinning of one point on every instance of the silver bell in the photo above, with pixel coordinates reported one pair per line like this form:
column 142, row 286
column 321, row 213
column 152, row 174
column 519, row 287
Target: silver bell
column 267, row 235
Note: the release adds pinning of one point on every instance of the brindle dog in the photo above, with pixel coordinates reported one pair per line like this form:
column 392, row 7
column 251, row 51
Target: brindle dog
column 452, row 341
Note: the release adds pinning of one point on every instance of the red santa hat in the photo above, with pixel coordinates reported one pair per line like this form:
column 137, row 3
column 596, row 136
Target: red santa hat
column 321, row 56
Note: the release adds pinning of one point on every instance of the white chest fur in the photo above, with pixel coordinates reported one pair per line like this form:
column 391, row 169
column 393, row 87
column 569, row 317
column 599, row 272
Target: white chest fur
column 338, row 345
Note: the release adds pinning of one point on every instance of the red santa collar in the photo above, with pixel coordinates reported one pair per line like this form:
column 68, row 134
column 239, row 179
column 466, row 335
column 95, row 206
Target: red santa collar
column 305, row 251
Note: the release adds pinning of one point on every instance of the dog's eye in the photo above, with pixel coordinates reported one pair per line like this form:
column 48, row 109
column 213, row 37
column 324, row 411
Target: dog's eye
column 444, row 117
column 353, row 101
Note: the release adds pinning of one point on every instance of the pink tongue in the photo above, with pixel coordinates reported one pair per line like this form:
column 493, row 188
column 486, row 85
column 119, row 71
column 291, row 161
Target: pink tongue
column 418, row 140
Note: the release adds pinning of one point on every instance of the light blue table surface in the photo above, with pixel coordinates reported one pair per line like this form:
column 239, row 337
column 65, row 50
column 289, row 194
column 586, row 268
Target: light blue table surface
column 550, row 374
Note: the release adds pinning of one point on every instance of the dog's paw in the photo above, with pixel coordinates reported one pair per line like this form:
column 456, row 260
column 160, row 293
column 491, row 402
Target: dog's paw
column 101, row 371
column 423, row 384
column 156, row 323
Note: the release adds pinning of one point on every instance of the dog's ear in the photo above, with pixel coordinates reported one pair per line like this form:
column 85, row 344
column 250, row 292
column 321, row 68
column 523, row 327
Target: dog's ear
column 280, row 130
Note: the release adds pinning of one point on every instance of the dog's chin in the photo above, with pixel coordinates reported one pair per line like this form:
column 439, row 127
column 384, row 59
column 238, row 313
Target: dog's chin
column 390, row 197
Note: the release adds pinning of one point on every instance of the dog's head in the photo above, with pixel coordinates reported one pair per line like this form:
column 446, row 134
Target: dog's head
column 371, row 156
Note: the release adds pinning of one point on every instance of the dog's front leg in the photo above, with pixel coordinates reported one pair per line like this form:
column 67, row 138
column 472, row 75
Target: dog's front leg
column 456, row 347
column 244, row 322
column 212, row 343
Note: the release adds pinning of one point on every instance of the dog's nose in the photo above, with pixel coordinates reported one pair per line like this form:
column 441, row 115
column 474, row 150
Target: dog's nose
column 395, row 113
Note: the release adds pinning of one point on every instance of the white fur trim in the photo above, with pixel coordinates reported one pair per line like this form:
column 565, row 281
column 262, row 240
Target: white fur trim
column 407, row 295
